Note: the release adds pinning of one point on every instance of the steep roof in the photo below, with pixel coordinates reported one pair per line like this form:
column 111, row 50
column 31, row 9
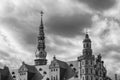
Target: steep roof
column 37, row 76
column 62, row 64
column 29, row 68
column 69, row 71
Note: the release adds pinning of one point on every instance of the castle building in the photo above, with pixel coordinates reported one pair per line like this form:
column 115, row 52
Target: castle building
column 85, row 67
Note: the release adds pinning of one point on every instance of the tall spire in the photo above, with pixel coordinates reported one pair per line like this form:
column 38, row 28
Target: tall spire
column 41, row 53
column 41, row 37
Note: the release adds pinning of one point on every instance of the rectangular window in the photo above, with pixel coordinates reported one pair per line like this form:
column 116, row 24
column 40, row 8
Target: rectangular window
column 83, row 71
column 91, row 62
column 83, row 78
column 86, row 70
column 82, row 62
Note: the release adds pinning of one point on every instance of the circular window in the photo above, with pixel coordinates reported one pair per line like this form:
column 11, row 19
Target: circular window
column 40, row 69
column 44, row 72
column 13, row 72
column 71, row 65
column 14, row 76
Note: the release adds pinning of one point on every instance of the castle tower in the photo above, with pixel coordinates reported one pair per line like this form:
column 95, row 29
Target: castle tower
column 87, row 51
column 41, row 53
column 86, row 61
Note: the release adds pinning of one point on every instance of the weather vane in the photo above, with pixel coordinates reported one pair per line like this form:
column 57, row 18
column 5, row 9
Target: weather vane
column 86, row 31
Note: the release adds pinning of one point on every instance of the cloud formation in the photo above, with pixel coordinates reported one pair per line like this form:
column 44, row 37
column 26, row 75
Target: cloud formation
column 68, row 25
column 65, row 22
column 99, row 5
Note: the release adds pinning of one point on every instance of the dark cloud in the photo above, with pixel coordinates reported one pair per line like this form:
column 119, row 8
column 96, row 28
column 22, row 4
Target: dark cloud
column 68, row 25
column 99, row 4
column 24, row 31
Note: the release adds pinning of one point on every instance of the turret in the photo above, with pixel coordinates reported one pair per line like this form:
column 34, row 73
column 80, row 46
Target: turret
column 87, row 45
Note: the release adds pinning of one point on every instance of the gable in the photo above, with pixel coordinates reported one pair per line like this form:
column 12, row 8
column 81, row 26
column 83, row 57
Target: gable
column 23, row 68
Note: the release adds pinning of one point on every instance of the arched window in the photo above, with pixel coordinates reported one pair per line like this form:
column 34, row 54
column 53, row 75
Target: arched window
column 87, row 45
column 84, row 45
column 51, row 77
column 83, row 78
column 47, row 79
column 56, row 77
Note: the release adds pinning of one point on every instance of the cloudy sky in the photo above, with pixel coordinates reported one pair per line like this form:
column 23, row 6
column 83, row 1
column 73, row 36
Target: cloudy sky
column 65, row 24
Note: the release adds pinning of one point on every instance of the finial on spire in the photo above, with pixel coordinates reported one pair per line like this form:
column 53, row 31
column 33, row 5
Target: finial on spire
column 54, row 57
column 86, row 31
column 23, row 62
column 41, row 18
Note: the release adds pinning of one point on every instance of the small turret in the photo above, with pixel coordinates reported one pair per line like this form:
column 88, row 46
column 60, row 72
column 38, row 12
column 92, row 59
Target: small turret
column 87, row 45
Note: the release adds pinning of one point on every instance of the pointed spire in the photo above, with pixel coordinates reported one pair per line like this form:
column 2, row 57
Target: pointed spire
column 41, row 37
column 41, row 18
column 41, row 53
